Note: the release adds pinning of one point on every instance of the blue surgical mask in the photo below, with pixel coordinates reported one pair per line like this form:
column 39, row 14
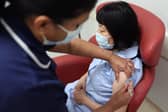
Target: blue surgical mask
column 103, row 41
column 70, row 35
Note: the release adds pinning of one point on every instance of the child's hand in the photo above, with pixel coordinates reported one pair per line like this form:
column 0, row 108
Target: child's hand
column 80, row 96
column 82, row 82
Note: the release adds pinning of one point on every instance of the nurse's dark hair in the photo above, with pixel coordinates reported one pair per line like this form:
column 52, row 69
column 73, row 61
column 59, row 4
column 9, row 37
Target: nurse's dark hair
column 121, row 22
column 58, row 10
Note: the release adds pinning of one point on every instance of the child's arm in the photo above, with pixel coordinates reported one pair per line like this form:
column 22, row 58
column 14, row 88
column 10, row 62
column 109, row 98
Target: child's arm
column 119, row 99
column 82, row 82
column 81, row 98
column 80, row 94
column 91, row 104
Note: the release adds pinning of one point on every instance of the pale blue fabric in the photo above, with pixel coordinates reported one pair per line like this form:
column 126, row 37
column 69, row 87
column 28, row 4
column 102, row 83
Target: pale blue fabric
column 100, row 79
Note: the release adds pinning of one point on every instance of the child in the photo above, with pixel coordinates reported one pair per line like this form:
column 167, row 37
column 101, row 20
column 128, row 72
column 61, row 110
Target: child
column 118, row 31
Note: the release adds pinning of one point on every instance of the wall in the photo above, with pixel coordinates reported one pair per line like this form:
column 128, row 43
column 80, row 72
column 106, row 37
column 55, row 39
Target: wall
column 159, row 91
column 157, row 7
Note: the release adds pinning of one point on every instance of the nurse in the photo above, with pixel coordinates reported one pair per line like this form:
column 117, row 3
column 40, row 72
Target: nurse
column 28, row 28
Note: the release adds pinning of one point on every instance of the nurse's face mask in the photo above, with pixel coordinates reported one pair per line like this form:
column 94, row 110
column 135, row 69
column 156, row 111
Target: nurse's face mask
column 70, row 35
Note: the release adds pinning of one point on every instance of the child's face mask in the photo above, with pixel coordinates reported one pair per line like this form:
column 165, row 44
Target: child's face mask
column 70, row 35
column 103, row 41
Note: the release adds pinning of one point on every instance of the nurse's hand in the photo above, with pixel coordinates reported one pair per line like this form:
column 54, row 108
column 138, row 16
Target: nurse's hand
column 121, row 65
column 119, row 99
column 123, row 96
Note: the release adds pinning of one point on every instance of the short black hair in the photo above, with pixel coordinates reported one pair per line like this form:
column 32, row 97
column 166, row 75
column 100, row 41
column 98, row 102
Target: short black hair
column 57, row 10
column 121, row 22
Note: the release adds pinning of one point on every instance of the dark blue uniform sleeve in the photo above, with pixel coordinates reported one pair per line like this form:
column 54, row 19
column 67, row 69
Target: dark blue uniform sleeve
column 40, row 99
column 24, row 86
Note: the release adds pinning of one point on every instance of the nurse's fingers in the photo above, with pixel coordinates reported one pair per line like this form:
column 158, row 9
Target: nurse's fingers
column 122, row 97
column 130, row 88
column 117, row 75
column 128, row 72
column 130, row 64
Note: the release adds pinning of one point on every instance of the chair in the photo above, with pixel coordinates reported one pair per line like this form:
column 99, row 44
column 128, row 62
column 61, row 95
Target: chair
column 70, row 67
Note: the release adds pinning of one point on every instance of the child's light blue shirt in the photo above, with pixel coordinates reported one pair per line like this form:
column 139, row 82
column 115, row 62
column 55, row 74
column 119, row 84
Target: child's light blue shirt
column 100, row 79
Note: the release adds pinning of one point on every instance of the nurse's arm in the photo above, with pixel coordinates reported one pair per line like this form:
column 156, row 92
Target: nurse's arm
column 84, row 48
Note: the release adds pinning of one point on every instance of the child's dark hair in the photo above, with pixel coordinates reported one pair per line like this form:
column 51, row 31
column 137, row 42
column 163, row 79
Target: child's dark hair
column 58, row 10
column 121, row 22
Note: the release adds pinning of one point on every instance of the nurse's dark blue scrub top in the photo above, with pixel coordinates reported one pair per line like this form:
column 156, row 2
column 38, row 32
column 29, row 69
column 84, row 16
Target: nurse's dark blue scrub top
column 24, row 86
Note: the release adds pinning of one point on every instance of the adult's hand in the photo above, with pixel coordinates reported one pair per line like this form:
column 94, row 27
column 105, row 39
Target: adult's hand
column 118, row 100
column 121, row 65
column 123, row 96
